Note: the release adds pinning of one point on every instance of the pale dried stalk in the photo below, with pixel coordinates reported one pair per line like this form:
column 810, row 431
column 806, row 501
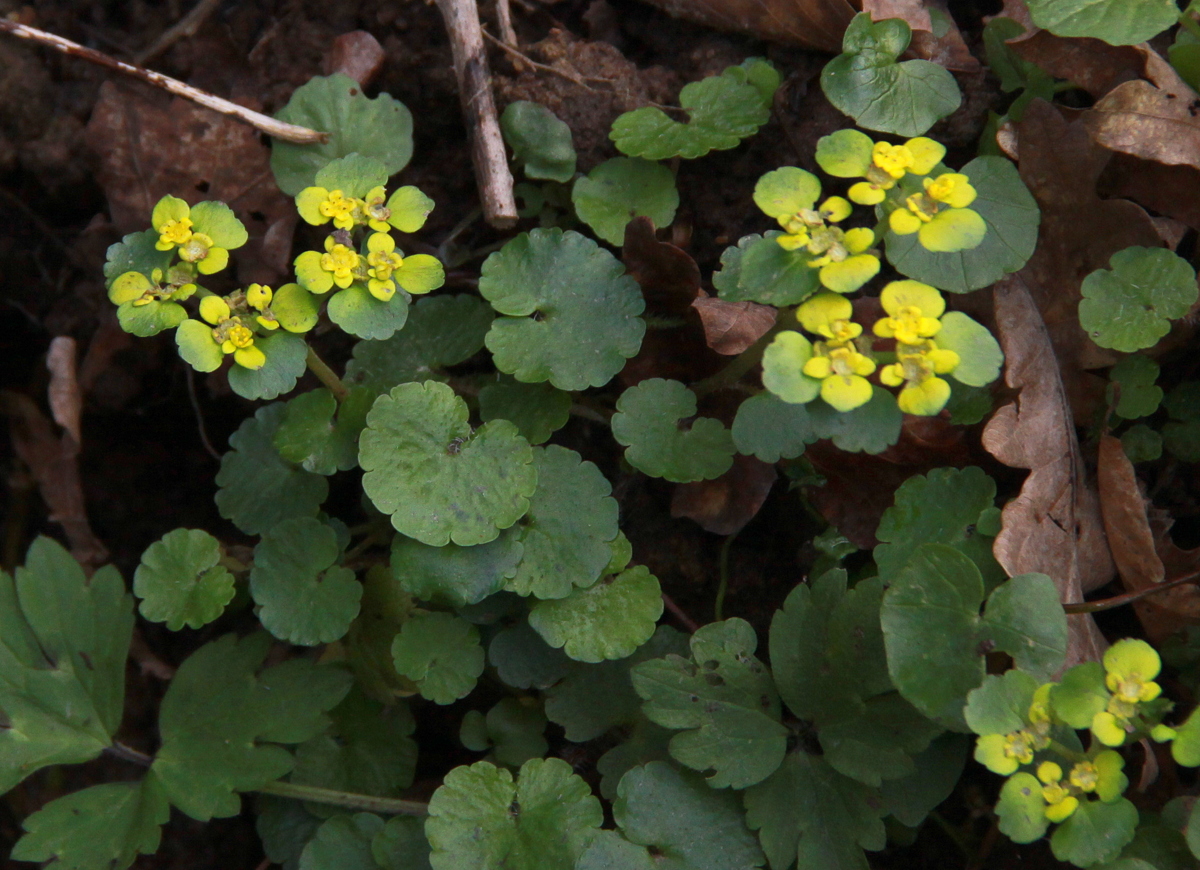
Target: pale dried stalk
column 270, row 126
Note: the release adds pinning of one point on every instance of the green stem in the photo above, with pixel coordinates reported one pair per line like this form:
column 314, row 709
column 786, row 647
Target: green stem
column 1069, row 754
column 1188, row 23
column 326, row 375
column 350, row 800
column 723, row 584
column 743, row 362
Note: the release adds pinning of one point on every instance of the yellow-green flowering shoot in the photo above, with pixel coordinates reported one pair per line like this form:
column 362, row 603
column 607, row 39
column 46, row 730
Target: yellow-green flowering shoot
column 852, row 154
column 828, row 315
column 340, row 265
column 137, row 289
column 939, row 215
column 916, row 369
column 202, row 235
column 230, row 333
column 1060, row 803
column 1130, row 668
column 1004, row 753
column 842, row 371
column 913, row 310
column 320, row 206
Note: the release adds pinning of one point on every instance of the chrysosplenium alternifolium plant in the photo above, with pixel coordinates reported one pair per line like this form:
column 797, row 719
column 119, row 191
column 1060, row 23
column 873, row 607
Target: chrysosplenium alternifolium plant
column 481, row 548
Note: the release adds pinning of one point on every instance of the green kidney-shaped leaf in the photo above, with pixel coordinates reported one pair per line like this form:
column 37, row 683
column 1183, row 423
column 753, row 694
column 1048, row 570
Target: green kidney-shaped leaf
column 767, row 273
column 256, row 487
column 439, row 479
column 869, row 428
column 567, row 533
column 608, row 620
column 1012, row 218
column 354, row 175
column 362, row 315
column 537, row 410
column 725, row 699
column 150, row 319
column 302, row 597
column 1118, row 22
column 62, row 671
column 1095, row 832
column 620, row 189
column 1001, row 704
column 783, row 368
column 285, row 364
column 771, row 429
column 439, row 652
column 524, row 661
column 585, row 308
column 647, row 422
column 379, row 128
column 1022, row 809
column 181, row 581
column 1131, row 306
column 456, row 575
column 480, row 818
column 135, row 252
column 539, row 140
column 312, row 437
column 866, row 83
column 1133, row 389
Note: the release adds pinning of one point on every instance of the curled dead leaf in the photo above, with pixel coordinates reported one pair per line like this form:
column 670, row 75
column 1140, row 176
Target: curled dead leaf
column 731, row 327
column 1154, row 123
column 668, row 276
column 725, row 504
column 357, row 54
column 66, row 402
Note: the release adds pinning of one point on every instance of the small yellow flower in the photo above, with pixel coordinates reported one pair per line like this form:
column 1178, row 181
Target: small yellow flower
column 320, row 206
column 376, row 210
column 799, row 226
column 939, row 215
column 913, row 309
column 851, row 154
column 1060, row 803
column 1131, row 666
column 828, row 315
column 340, row 261
column 917, row 366
column 382, row 261
column 173, row 233
column 842, row 370
column 230, row 333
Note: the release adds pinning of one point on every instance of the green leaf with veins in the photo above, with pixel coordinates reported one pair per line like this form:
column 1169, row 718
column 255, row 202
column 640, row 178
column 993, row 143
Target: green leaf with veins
column 1000, row 704
column 648, row 422
column 1096, row 832
column 439, row 652
column 768, row 427
column 866, row 83
column 103, row 827
column 285, row 364
column 362, row 315
column 441, row 331
column 524, row 661
column 608, row 620
column 135, row 252
column 724, row 699
column 62, row 661
column 869, row 428
column 439, row 479
column 480, row 817
column 456, row 575
column 682, row 823
column 809, row 813
column 311, row 437
column 222, row 720
column 569, row 528
column 380, row 128
column 537, row 410
column 770, row 274
column 354, row 175
column 570, row 310
column 1131, row 306
column 571, row 702
column 1117, row 22
column 302, row 596
column 539, row 140
column 180, row 580
column 1138, row 394
column 722, row 110
column 620, row 189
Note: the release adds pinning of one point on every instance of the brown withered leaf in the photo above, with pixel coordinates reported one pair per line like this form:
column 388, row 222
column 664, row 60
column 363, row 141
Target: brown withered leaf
column 858, row 488
column 1090, row 64
column 1165, row 189
column 725, row 504
column 731, row 327
column 66, row 400
column 808, row 23
column 950, row 49
column 1053, row 526
column 914, row 13
column 1154, row 123
column 149, row 146
column 1134, row 547
column 356, row 54
column 668, row 276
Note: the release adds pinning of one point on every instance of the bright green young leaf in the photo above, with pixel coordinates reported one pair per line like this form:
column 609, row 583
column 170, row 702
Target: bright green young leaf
column 866, row 83
column 362, row 315
column 912, row 798
column 1012, row 218
column 456, row 575
column 302, row 596
column 783, row 368
column 441, row 331
column 379, row 128
column 1131, row 306
column 1185, row 748
column 513, row 730
column 608, row 620
column 62, row 662
column 480, row 818
column 524, row 661
column 1143, row 444
column 807, row 811
column 104, row 827
column 256, row 487
column 1132, row 387
column 150, row 319
column 943, row 507
column 285, row 364
column 722, row 110
column 1000, row 705
column 369, row 749
column 571, row 703
column 1184, row 55
column 571, row 311
column 539, row 140
column 620, row 189
column 786, row 191
column 1095, row 832
column 537, row 410
column 648, row 423
column 354, row 175
column 1117, row 22
column 196, row 347
column 684, row 824
column 767, row 273
column 439, row 479
column 1080, row 694
column 221, row 721
column 311, row 437
column 439, row 652
column 770, row 428
column 978, row 351
column 567, row 532
column 725, row 701
column 1022, row 809
column 135, row 253
column 869, row 428
column 343, row 842
column 181, row 581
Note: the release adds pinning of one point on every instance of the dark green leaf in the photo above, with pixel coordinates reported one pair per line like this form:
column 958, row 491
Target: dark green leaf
column 180, row 580
column 648, row 423
column 539, row 140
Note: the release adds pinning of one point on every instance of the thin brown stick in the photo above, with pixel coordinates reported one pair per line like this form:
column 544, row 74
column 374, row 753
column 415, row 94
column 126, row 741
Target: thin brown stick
column 479, row 110
column 270, row 126
column 504, row 20
column 684, row 620
column 184, row 28
column 1130, row 597
column 526, row 59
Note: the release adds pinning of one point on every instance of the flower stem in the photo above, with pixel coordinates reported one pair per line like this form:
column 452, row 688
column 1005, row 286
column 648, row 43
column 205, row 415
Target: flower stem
column 326, row 375
column 1069, row 754
column 350, row 800
column 723, row 584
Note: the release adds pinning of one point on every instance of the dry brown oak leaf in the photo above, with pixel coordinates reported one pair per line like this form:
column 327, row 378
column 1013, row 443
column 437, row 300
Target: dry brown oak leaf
column 1053, row 526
